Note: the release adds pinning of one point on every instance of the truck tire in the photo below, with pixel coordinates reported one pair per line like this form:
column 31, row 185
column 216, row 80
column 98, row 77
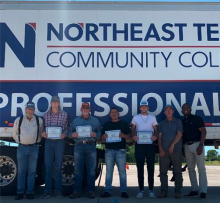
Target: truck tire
column 8, row 170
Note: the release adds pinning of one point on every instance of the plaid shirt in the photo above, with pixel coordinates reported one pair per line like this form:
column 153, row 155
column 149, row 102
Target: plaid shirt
column 56, row 120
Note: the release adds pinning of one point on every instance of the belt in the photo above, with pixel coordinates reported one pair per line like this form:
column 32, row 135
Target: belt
column 85, row 142
column 191, row 142
column 28, row 145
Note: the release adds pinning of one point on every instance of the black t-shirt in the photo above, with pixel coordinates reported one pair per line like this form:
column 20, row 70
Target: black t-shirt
column 120, row 125
column 191, row 125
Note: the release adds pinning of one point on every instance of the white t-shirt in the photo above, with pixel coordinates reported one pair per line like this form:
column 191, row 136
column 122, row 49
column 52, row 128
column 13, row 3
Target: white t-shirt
column 144, row 123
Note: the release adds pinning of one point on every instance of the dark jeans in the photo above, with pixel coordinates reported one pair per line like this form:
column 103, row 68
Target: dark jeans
column 27, row 162
column 176, row 159
column 85, row 153
column 53, row 150
column 145, row 152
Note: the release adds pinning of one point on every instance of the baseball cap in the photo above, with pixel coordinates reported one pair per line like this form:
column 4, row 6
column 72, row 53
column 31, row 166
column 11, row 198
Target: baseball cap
column 55, row 99
column 168, row 106
column 143, row 103
column 30, row 105
column 85, row 105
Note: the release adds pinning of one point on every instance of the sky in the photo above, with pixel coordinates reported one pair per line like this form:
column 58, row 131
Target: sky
column 127, row 0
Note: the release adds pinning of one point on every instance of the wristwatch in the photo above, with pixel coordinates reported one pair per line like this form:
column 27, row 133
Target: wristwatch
column 201, row 144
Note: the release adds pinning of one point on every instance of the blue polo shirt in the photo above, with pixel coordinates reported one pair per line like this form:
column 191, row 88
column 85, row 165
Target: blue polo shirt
column 169, row 130
column 80, row 121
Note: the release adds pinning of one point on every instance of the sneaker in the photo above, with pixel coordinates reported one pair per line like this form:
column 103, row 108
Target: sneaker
column 192, row 194
column 177, row 195
column 30, row 196
column 124, row 195
column 140, row 195
column 19, row 196
column 162, row 195
column 45, row 195
column 91, row 195
column 75, row 195
column 202, row 196
column 106, row 194
column 59, row 195
column 151, row 194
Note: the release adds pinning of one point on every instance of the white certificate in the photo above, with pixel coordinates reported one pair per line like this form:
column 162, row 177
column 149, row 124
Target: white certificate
column 113, row 136
column 145, row 137
column 84, row 131
column 53, row 132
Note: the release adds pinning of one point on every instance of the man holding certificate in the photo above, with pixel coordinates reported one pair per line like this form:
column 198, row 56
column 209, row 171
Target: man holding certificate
column 85, row 131
column 170, row 148
column 55, row 131
column 115, row 132
column 144, row 132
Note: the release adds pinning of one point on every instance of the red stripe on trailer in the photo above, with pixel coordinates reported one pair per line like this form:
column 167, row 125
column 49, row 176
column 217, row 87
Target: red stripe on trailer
column 212, row 124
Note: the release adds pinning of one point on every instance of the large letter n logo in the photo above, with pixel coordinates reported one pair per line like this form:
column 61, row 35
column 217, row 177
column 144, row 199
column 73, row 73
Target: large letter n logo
column 26, row 54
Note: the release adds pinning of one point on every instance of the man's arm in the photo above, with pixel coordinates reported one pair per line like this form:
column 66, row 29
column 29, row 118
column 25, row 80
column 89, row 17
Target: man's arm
column 177, row 138
column 155, row 135
column 202, row 140
column 15, row 130
column 133, row 132
column 161, row 150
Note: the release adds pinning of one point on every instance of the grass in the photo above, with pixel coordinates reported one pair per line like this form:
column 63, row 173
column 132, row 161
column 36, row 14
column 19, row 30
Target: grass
column 212, row 163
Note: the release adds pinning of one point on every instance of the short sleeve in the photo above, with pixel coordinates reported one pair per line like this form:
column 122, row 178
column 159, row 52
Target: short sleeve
column 179, row 126
column 200, row 122
column 160, row 127
column 154, row 121
column 126, row 128
column 134, row 121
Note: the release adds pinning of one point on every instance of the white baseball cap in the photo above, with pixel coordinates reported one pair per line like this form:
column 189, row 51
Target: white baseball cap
column 143, row 103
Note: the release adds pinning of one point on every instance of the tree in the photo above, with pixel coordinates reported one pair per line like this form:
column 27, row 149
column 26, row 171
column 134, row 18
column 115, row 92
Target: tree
column 212, row 155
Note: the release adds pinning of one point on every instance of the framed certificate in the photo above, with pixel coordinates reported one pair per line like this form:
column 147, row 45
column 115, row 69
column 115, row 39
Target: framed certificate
column 84, row 131
column 54, row 132
column 145, row 137
column 113, row 136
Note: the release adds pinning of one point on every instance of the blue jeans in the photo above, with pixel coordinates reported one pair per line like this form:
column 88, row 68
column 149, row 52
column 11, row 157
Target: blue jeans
column 53, row 150
column 85, row 153
column 118, row 157
column 27, row 163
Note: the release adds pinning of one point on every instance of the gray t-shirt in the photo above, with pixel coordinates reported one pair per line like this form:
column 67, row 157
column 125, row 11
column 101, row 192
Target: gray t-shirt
column 169, row 130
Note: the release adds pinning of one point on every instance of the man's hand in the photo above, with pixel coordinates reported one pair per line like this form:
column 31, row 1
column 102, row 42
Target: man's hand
column 135, row 138
column 171, row 148
column 153, row 138
column 161, row 152
column 62, row 136
column 75, row 135
column 199, row 150
column 93, row 134
column 122, row 135
column 44, row 134
column 105, row 136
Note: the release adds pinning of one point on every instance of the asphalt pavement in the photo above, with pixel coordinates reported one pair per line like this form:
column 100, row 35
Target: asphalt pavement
column 213, row 174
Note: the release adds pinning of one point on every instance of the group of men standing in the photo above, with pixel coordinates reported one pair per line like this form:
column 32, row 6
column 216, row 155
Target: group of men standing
column 172, row 134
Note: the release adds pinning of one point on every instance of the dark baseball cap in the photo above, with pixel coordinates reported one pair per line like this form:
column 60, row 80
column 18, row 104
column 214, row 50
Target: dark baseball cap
column 168, row 106
column 55, row 99
column 85, row 105
column 30, row 105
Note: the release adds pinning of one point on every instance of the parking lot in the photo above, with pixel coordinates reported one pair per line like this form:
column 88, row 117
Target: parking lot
column 213, row 173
